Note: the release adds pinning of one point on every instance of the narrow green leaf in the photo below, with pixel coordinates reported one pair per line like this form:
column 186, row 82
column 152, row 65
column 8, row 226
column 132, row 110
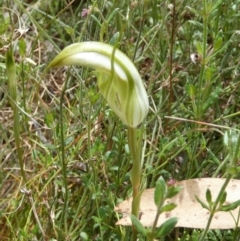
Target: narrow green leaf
column 196, row 23
column 173, row 191
column 223, row 198
column 202, row 203
column 12, row 78
column 209, row 196
column 115, row 11
column 199, row 48
column 191, row 90
column 209, row 73
column 22, row 46
column 160, row 191
column 97, row 21
column 118, row 22
column 230, row 207
column 12, row 86
column 213, row 97
column 216, row 5
column 114, row 39
column 166, row 227
column 193, row 10
column 139, row 227
column 217, row 44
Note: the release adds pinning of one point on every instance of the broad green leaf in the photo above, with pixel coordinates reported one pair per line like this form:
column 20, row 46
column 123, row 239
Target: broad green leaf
column 84, row 236
column 173, row 191
column 160, row 191
column 139, row 227
column 166, row 227
column 168, row 207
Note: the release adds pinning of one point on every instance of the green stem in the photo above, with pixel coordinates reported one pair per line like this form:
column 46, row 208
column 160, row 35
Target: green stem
column 12, row 83
column 135, row 174
column 156, row 217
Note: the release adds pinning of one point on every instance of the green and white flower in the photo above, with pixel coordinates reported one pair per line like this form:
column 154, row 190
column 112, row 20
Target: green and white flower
column 118, row 79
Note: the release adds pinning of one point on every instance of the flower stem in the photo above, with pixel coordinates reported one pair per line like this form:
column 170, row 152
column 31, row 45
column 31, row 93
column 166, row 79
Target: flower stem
column 135, row 150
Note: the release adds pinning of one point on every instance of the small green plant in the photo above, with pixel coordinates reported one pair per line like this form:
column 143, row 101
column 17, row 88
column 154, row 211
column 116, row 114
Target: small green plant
column 232, row 143
column 161, row 193
column 121, row 85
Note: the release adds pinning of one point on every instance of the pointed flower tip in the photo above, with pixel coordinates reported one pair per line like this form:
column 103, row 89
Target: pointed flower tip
column 118, row 80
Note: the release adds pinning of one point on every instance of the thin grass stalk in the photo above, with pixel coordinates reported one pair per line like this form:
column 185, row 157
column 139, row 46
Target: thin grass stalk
column 64, row 216
column 172, row 41
column 204, row 50
column 12, row 84
column 139, row 32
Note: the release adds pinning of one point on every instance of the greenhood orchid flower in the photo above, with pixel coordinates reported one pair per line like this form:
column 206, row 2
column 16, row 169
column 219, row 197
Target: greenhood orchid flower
column 118, row 79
